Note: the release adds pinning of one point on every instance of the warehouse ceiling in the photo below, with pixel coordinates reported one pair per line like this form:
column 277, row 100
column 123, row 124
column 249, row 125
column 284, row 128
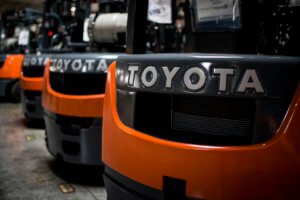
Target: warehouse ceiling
column 19, row 4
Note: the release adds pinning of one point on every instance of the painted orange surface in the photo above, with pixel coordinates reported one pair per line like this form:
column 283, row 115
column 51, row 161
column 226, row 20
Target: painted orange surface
column 263, row 171
column 70, row 105
column 12, row 66
column 32, row 84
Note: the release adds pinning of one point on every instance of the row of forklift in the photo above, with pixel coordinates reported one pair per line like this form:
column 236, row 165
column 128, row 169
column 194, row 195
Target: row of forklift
column 191, row 99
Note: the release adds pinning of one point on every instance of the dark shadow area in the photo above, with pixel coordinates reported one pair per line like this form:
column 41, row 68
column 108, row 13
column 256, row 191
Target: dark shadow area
column 34, row 123
column 2, row 196
column 3, row 99
column 20, row 122
column 78, row 174
column 14, row 121
column 8, row 100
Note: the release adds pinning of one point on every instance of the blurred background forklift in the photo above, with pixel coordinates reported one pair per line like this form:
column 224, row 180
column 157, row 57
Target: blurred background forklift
column 56, row 30
column 61, row 25
column 18, row 31
column 74, row 82
column 223, row 125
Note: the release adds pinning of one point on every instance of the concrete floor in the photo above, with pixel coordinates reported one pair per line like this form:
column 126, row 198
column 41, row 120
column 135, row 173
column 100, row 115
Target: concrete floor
column 28, row 171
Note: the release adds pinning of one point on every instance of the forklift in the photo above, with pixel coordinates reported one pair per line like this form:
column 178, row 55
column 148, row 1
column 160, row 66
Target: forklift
column 31, row 85
column 74, row 82
column 58, row 23
column 16, row 39
column 219, row 121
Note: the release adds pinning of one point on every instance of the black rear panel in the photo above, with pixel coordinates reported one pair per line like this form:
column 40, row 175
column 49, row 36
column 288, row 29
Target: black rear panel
column 78, row 84
column 80, row 73
column 213, row 116
column 168, row 109
column 33, row 65
column 194, row 119
column 82, row 122
column 31, row 95
column 2, row 60
column 222, row 121
column 33, row 71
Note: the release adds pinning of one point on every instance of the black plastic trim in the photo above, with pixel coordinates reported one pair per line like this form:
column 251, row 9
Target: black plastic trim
column 4, row 83
column 31, row 102
column 119, row 187
column 83, row 147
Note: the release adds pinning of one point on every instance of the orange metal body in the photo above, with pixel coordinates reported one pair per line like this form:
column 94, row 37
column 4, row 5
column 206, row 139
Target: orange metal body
column 12, row 66
column 263, row 171
column 70, row 105
column 32, row 84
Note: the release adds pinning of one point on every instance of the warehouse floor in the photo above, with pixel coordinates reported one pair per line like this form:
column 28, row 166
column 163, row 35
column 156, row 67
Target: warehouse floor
column 28, row 171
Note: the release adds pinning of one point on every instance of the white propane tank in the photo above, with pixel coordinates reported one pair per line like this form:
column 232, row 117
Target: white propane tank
column 107, row 26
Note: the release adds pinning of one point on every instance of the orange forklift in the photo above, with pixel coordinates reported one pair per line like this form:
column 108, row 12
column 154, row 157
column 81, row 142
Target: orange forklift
column 52, row 39
column 31, row 85
column 10, row 70
column 219, row 124
column 74, row 84
column 13, row 38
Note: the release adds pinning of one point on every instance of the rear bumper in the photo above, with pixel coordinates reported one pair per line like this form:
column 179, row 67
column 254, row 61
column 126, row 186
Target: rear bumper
column 74, row 143
column 70, row 105
column 121, row 187
column 31, row 97
column 11, row 68
column 68, row 136
column 34, row 84
column 32, row 104
column 261, row 171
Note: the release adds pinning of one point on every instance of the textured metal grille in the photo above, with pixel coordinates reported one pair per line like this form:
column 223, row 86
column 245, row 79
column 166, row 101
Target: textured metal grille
column 196, row 119
column 213, row 116
column 210, row 126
